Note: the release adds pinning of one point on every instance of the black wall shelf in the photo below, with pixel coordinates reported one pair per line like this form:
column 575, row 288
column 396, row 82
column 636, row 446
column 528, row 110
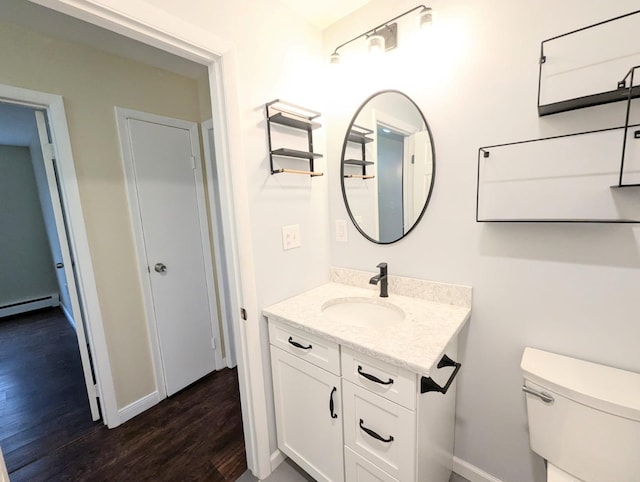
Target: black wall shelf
column 358, row 162
column 588, row 101
column 529, row 181
column 284, row 152
column 360, row 135
column 555, row 55
column 295, row 117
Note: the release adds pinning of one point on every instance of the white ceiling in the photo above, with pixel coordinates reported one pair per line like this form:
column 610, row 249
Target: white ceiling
column 323, row 13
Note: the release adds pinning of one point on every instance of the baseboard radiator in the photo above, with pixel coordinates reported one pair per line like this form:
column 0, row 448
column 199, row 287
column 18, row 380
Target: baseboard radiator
column 29, row 305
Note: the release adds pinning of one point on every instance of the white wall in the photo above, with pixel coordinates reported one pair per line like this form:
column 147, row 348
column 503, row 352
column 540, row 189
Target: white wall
column 18, row 127
column 571, row 289
column 27, row 270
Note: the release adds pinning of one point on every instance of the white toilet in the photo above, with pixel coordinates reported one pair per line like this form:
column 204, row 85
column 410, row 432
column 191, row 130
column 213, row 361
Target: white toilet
column 584, row 418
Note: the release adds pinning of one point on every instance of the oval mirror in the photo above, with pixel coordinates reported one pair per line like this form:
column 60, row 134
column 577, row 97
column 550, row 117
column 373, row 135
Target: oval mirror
column 388, row 167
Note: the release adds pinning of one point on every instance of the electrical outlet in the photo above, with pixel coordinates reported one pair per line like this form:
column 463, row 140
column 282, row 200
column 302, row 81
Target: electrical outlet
column 341, row 231
column 291, row 236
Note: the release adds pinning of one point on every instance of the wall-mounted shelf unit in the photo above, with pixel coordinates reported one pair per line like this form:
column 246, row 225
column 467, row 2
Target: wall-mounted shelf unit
column 586, row 67
column 360, row 135
column 298, row 118
column 569, row 178
column 629, row 149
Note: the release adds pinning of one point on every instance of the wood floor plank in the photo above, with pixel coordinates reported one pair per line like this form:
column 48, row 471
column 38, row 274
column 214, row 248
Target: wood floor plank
column 194, row 435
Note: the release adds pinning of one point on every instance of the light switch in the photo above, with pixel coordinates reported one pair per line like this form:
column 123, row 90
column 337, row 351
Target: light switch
column 291, row 236
column 341, row 231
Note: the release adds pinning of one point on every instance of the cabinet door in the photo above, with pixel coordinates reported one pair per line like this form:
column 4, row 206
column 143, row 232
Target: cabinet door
column 308, row 404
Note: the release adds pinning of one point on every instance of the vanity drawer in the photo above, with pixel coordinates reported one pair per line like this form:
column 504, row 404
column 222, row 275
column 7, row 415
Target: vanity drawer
column 359, row 469
column 320, row 352
column 388, row 381
column 380, row 431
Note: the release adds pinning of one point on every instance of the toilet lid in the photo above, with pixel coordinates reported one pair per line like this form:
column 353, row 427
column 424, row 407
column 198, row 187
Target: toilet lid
column 554, row 474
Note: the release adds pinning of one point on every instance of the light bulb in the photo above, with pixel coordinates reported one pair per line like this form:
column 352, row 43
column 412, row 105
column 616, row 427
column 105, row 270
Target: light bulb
column 376, row 43
column 335, row 58
column 425, row 18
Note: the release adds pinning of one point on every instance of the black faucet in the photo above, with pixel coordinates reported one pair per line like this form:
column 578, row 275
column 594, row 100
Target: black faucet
column 382, row 279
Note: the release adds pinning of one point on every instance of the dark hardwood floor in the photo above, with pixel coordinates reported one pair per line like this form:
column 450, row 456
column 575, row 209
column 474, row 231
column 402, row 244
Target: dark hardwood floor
column 46, row 432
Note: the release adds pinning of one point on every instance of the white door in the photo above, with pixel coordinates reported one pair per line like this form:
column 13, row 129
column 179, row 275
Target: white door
column 169, row 193
column 421, row 173
column 67, row 261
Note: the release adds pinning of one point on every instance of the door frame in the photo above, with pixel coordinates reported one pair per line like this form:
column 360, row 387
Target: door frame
column 123, row 115
column 214, row 179
column 51, row 169
column 77, row 239
column 146, row 23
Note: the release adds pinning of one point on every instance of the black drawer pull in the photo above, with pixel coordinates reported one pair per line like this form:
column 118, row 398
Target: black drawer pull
column 373, row 434
column 333, row 414
column 427, row 384
column 368, row 376
column 298, row 345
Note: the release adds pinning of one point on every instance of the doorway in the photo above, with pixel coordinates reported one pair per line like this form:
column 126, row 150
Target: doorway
column 390, row 195
column 47, row 388
column 93, row 83
column 218, row 57
column 166, row 198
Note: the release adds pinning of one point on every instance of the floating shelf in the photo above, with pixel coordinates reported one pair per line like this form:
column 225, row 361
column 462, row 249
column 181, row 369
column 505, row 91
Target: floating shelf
column 284, row 152
column 357, row 162
column 572, row 178
column 359, row 138
column 585, row 67
column 293, row 121
column 602, row 221
column 359, row 135
column 296, row 117
column 588, row 101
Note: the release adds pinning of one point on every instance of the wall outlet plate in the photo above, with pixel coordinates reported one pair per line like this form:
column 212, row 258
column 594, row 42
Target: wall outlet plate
column 291, row 236
column 342, row 235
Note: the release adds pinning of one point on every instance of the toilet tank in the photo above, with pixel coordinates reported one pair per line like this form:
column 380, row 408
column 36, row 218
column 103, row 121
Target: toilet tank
column 591, row 429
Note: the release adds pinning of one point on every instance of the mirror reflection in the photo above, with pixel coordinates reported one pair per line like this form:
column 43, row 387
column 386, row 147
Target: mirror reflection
column 388, row 167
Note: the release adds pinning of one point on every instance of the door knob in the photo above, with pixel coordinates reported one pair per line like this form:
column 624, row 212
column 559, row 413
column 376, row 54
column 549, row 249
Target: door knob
column 160, row 268
column 59, row 265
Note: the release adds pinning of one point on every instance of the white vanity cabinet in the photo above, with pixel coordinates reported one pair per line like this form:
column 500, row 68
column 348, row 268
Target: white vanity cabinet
column 392, row 432
column 308, row 401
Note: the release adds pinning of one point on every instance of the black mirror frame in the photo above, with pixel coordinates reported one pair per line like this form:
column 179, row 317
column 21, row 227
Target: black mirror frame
column 344, row 150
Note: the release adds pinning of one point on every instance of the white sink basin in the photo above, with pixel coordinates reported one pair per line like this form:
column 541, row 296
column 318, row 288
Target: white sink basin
column 362, row 312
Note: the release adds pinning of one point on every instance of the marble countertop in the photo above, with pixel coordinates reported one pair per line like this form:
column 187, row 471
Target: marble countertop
column 416, row 343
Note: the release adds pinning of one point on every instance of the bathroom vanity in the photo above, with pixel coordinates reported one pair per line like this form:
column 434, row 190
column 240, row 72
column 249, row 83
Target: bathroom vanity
column 359, row 380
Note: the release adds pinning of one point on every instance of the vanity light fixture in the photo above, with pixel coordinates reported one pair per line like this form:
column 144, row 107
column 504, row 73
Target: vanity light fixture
column 384, row 37
column 425, row 18
column 376, row 43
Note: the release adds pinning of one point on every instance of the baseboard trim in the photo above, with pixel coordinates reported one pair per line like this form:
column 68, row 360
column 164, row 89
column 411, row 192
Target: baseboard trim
column 277, row 458
column 29, row 305
column 471, row 472
column 68, row 316
column 139, row 406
